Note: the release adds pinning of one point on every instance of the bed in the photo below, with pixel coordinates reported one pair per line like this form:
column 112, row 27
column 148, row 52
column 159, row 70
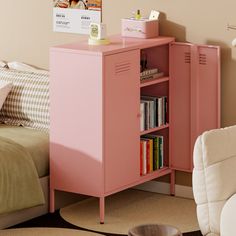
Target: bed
column 24, row 124
column 36, row 143
column 24, row 145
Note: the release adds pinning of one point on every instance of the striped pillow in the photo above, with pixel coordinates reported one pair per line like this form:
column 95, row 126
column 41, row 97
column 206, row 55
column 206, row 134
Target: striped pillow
column 28, row 102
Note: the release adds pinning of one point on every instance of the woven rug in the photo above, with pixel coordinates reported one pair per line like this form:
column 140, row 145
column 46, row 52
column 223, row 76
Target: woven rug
column 129, row 208
column 45, row 232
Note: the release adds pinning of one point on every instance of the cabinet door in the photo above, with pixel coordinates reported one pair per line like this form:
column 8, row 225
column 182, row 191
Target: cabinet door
column 121, row 119
column 195, row 98
column 180, row 106
column 208, row 88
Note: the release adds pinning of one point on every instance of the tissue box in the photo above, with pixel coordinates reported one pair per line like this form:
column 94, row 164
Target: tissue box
column 142, row 28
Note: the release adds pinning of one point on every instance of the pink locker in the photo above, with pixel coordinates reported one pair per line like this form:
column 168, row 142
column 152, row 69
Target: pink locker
column 194, row 98
column 95, row 111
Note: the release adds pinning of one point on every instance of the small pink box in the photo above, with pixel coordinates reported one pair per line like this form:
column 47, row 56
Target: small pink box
column 142, row 28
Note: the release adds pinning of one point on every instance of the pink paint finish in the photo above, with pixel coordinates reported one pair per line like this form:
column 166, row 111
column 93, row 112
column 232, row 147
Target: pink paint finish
column 121, row 119
column 180, row 106
column 95, row 111
column 75, row 140
column 118, row 44
column 194, row 98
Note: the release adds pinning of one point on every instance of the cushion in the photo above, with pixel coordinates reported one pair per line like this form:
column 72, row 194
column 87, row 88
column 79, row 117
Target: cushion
column 214, row 175
column 15, row 65
column 227, row 222
column 5, row 88
column 28, row 102
column 36, row 142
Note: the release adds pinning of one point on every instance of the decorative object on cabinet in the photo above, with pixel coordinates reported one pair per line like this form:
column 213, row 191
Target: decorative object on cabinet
column 141, row 27
column 97, row 34
column 97, row 152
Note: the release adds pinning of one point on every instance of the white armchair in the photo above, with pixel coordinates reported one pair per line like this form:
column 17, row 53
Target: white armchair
column 214, row 181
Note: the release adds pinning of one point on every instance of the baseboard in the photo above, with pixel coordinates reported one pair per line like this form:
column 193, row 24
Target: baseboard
column 164, row 188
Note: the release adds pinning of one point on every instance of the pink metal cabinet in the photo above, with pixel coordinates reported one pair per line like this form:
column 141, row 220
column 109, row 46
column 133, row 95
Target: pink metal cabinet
column 95, row 117
column 194, row 98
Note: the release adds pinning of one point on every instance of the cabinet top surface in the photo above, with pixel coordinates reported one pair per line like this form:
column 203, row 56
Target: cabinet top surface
column 117, row 44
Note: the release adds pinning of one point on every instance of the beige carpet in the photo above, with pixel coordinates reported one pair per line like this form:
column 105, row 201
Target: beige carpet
column 45, row 232
column 129, row 208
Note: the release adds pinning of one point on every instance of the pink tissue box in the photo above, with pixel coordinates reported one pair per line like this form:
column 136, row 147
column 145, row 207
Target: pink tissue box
column 143, row 28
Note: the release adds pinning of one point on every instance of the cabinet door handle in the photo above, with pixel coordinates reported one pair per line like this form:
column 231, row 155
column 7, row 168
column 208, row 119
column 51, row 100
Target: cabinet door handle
column 138, row 115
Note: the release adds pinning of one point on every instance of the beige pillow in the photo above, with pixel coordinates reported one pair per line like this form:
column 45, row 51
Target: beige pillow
column 28, row 102
column 5, row 88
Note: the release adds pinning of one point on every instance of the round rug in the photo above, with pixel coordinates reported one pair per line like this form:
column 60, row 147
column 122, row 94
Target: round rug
column 45, row 232
column 129, row 208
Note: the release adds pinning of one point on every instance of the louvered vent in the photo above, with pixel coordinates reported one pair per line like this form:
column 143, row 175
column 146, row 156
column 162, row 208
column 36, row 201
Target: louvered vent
column 202, row 59
column 122, row 67
column 187, row 57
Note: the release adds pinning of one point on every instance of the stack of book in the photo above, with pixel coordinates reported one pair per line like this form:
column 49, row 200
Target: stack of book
column 153, row 112
column 150, row 74
column 151, row 153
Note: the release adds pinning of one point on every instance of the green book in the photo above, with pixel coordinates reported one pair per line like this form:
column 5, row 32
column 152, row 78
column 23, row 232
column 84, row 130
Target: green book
column 161, row 152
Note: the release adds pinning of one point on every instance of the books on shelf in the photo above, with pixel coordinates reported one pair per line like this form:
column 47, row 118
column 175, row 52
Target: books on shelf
column 150, row 74
column 153, row 112
column 151, row 153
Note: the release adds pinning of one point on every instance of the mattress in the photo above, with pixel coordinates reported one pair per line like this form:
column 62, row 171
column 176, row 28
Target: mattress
column 36, row 142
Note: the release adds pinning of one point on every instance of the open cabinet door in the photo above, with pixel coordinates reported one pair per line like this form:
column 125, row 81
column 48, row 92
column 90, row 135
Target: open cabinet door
column 194, row 98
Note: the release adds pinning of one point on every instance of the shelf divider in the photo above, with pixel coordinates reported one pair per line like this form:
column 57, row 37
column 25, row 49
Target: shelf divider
column 154, row 129
column 153, row 81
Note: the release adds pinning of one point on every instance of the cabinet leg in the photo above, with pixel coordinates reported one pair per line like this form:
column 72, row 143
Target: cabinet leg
column 172, row 183
column 52, row 200
column 102, row 209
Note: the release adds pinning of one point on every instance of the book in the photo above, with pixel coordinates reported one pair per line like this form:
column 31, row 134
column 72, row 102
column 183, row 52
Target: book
column 154, row 112
column 146, row 111
column 161, row 152
column 160, row 111
column 141, row 158
column 151, row 77
column 165, row 110
column 144, row 156
column 151, row 154
column 155, row 148
column 149, row 72
column 153, row 109
column 142, row 116
column 148, row 156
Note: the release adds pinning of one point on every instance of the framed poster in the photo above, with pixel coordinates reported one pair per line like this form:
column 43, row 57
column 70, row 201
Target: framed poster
column 75, row 16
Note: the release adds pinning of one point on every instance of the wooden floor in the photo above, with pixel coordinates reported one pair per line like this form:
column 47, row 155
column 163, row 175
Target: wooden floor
column 55, row 220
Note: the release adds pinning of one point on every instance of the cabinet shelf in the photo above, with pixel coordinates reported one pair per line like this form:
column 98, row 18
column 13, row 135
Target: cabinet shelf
column 154, row 129
column 155, row 174
column 153, row 81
